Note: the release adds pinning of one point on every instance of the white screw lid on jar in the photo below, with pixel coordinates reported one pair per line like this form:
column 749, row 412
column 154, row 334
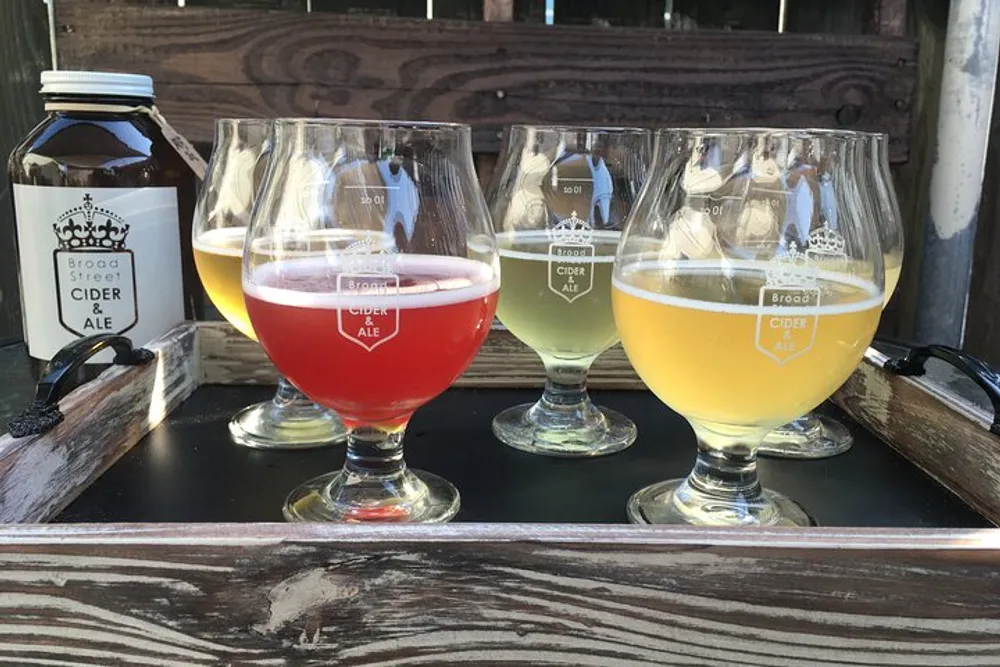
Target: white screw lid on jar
column 96, row 84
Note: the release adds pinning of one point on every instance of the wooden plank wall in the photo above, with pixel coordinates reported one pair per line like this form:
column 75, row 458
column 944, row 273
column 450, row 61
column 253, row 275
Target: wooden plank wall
column 927, row 22
column 229, row 60
column 498, row 10
column 225, row 62
column 889, row 17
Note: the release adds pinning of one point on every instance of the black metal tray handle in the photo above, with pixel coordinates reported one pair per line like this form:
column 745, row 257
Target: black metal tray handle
column 978, row 371
column 43, row 414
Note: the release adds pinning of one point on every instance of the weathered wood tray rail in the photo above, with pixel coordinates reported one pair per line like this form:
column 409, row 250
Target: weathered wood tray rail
column 473, row 594
column 944, row 434
column 493, row 595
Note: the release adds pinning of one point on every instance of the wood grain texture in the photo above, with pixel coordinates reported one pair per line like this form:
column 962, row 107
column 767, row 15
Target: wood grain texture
column 889, row 17
column 241, row 4
column 223, row 62
column 466, row 595
column 229, row 357
column 40, row 475
column 929, row 18
column 24, row 53
column 945, row 435
column 498, row 10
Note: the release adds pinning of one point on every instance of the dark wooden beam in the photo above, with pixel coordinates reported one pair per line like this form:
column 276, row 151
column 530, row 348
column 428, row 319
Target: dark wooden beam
column 929, row 18
column 498, row 10
column 889, row 17
column 246, row 4
column 486, row 162
column 220, row 62
column 24, row 53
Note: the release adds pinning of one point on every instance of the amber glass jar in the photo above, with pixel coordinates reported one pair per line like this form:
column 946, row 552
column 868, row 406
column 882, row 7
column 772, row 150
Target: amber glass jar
column 103, row 205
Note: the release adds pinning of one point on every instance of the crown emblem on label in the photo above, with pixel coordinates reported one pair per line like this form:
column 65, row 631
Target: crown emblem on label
column 788, row 269
column 572, row 231
column 825, row 241
column 368, row 256
column 89, row 227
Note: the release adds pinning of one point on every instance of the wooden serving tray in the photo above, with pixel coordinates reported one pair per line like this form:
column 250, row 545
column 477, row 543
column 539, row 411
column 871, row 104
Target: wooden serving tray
column 483, row 593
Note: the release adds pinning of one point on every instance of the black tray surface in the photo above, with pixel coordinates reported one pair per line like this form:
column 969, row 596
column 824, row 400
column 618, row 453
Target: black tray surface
column 188, row 470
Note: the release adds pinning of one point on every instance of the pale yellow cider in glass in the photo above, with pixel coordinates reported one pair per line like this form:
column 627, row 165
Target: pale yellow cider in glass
column 556, row 298
column 893, row 267
column 218, row 254
column 705, row 345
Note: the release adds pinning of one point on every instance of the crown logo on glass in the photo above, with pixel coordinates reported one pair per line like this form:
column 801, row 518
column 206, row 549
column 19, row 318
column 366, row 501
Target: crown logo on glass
column 789, row 269
column 90, row 227
column 827, row 242
column 572, row 231
column 368, row 255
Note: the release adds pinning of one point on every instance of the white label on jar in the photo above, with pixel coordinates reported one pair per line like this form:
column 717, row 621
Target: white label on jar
column 97, row 260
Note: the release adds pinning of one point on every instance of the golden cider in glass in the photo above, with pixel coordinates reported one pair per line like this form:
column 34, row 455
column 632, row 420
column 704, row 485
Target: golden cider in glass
column 705, row 345
column 218, row 254
column 893, row 267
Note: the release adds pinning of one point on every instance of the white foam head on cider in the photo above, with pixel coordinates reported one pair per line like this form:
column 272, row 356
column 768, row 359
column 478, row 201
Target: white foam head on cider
column 442, row 281
column 543, row 239
column 748, row 268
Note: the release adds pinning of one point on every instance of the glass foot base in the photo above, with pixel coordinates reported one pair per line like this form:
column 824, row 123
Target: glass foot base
column 413, row 496
column 677, row 502
column 514, row 427
column 270, row 425
column 811, row 437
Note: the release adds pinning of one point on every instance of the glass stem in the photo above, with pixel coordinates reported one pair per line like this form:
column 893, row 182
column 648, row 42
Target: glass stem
column 565, row 385
column 726, row 466
column 565, row 403
column 287, row 394
column 374, row 452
